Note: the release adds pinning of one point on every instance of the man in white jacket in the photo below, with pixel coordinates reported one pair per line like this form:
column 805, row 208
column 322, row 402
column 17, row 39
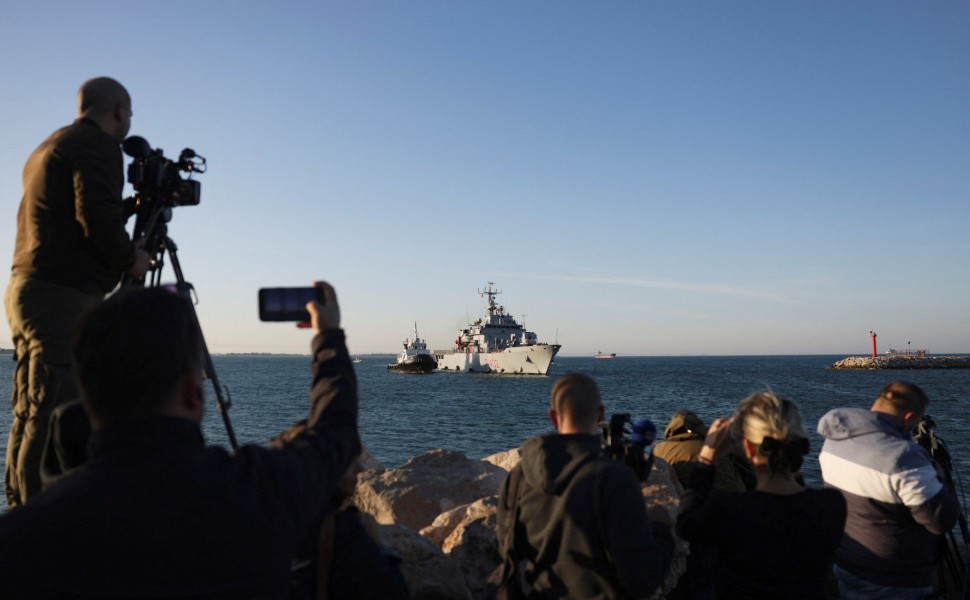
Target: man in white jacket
column 897, row 505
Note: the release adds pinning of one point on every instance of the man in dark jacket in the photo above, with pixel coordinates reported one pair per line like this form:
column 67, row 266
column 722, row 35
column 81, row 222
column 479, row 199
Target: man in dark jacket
column 683, row 440
column 153, row 512
column 71, row 249
column 579, row 518
column 898, row 508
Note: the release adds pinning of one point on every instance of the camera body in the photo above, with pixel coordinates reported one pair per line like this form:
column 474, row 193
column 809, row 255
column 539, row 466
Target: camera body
column 159, row 178
column 618, row 446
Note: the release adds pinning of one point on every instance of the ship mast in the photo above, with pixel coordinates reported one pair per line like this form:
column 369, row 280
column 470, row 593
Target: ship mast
column 491, row 293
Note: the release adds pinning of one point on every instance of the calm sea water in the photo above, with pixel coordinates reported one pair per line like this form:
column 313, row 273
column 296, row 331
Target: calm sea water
column 402, row 415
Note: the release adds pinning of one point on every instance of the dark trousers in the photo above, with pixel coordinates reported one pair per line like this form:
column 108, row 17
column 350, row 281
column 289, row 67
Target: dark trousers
column 42, row 318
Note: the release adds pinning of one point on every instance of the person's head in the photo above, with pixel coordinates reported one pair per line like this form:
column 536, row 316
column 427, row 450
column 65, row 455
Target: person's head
column 770, row 430
column 107, row 103
column 904, row 402
column 685, row 421
column 139, row 354
column 575, row 405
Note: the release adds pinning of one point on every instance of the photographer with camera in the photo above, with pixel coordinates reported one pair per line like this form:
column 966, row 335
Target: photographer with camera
column 71, row 249
column 899, row 508
column 153, row 512
column 575, row 516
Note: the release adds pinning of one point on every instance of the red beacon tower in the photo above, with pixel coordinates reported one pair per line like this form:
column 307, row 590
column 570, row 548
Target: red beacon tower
column 873, row 334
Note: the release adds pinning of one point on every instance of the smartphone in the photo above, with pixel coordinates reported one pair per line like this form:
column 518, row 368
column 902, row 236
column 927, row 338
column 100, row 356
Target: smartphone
column 287, row 304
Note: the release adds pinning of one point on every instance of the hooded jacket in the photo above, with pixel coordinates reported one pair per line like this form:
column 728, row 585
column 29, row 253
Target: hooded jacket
column 897, row 507
column 581, row 523
column 683, row 440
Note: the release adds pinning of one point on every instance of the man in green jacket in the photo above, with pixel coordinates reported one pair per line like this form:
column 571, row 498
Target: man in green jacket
column 71, row 249
column 579, row 519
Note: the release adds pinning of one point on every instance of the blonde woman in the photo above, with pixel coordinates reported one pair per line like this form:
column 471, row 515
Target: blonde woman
column 778, row 540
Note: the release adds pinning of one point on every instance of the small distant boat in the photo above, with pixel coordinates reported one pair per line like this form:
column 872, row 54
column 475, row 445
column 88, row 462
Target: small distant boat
column 358, row 359
column 601, row 355
column 415, row 358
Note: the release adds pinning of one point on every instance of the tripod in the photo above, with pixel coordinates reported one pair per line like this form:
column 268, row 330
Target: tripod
column 151, row 225
column 953, row 569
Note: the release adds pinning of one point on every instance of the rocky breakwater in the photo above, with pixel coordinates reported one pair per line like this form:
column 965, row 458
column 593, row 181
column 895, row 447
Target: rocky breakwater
column 438, row 513
column 902, row 361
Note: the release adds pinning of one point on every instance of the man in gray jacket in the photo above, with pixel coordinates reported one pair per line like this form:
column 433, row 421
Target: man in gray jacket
column 898, row 508
column 576, row 517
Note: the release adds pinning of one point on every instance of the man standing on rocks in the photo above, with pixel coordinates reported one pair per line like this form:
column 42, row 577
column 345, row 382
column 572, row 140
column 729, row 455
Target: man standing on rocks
column 71, row 250
column 897, row 506
column 576, row 517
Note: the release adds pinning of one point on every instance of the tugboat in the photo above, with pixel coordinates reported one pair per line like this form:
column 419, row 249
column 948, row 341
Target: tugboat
column 497, row 344
column 415, row 358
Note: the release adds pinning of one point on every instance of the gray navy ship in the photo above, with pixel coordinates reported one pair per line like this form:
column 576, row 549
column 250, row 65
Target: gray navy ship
column 497, row 344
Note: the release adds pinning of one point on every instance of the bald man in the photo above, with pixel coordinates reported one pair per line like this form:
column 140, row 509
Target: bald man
column 71, row 249
column 576, row 517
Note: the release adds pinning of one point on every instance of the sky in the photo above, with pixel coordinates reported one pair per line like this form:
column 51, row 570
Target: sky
column 640, row 177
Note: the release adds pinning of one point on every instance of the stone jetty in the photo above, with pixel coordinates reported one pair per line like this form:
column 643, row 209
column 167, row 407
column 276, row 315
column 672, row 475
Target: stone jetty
column 902, row 361
column 438, row 513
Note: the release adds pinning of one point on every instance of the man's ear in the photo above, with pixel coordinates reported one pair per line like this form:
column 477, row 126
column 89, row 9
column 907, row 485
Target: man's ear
column 191, row 398
column 909, row 417
column 554, row 417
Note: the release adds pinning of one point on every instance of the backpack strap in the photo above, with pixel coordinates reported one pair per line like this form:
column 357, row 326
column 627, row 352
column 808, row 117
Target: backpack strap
column 325, row 554
column 506, row 577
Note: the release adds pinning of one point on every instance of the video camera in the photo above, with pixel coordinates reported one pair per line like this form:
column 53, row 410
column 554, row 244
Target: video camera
column 159, row 186
column 618, row 446
column 157, row 177
column 925, row 436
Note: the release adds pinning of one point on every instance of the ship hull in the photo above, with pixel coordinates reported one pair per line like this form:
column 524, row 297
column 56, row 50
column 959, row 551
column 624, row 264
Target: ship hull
column 422, row 363
column 518, row 360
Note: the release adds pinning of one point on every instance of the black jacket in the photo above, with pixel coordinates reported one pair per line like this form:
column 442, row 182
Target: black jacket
column 70, row 228
column 155, row 513
column 583, row 526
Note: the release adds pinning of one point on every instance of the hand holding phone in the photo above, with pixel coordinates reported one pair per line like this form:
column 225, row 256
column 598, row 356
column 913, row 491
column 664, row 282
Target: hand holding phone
column 288, row 304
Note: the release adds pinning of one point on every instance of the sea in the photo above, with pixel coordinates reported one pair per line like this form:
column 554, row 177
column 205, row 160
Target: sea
column 403, row 415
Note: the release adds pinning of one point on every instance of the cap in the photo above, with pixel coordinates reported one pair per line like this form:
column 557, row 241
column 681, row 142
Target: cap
column 644, row 432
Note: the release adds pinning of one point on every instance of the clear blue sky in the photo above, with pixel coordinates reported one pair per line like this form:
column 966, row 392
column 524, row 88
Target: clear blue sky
column 650, row 177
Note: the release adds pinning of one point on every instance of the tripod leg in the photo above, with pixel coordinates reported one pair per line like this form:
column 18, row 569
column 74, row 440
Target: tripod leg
column 185, row 290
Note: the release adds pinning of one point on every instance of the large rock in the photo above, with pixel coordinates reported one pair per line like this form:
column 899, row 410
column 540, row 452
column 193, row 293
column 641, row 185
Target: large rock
column 429, row 573
column 507, row 460
column 427, row 485
column 467, row 533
